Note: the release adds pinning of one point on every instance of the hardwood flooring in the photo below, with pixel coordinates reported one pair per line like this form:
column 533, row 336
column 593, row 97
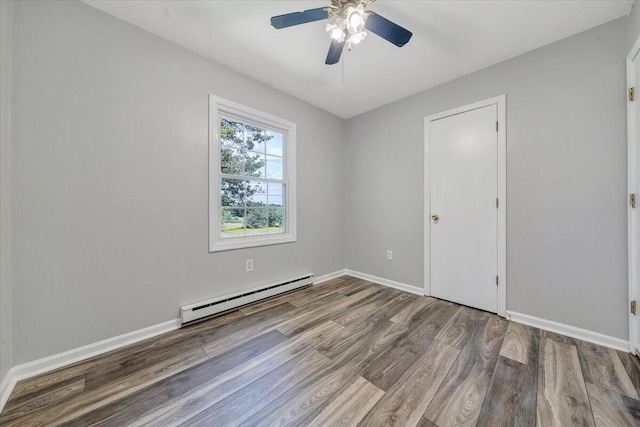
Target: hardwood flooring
column 344, row 353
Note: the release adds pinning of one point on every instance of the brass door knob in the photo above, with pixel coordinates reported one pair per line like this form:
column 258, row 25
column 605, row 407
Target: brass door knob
column 435, row 217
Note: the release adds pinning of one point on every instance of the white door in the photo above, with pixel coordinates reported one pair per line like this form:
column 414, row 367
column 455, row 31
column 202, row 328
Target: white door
column 633, row 77
column 463, row 163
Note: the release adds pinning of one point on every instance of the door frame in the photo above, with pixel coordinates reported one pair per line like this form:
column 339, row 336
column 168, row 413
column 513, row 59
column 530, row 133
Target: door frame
column 633, row 228
column 500, row 102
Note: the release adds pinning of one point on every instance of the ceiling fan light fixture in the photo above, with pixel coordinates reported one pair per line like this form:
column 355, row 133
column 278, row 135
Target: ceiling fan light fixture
column 348, row 25
column 355, row 18
column 355, row 38
column 335, row 31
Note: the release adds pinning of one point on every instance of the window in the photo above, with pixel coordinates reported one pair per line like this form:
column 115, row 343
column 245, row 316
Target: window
column 252, row 192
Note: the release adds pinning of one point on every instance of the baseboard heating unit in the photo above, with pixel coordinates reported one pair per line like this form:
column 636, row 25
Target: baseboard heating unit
column 202, row 310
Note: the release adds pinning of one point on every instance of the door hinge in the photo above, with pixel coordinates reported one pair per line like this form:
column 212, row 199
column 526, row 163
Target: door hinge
column 496, row 126
column 634, row 307
column 497, row 280
column 497, row 203
column 632, row 94
column 632, row 200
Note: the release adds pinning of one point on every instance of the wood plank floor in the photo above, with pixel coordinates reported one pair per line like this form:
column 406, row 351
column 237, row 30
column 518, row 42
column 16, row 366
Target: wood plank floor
column 344, row 353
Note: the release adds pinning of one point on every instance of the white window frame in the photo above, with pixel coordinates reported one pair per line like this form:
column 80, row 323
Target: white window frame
column 220, row 107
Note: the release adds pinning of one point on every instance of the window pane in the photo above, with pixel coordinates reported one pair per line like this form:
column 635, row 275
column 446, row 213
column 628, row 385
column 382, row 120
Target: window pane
column 256, row 138
column 274, row 143
column 256, row 194
column 275, row 194
column 232, row 160
column 276, row 220
column 232, row 223
column 275, row 201
column 231, row 146
column 233, row 192
column 231, row 132
column 257, row 220
column 254, row 164
column 274, row 167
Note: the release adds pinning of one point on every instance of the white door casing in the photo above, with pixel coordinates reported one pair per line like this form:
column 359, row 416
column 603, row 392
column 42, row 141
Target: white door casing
column 633, row 187
column 465, row 172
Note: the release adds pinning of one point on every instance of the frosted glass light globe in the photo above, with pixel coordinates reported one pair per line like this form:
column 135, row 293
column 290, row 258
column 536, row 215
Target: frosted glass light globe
column 355, row 20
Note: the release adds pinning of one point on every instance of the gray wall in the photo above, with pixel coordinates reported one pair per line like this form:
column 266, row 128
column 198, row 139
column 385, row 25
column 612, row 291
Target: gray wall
column 5, row 187
column 110, row 180
column 566, row 179
column 634, row 23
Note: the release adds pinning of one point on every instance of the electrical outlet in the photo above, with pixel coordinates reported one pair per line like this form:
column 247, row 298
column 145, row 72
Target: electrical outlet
column 249, row 264
column 389, row 254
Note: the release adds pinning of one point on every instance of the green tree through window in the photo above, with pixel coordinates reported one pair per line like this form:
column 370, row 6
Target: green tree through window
column 245, row 150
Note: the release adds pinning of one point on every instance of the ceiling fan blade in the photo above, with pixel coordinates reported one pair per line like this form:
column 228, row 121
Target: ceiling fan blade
column 297, row 18
column 335, row 50
column 386, row 29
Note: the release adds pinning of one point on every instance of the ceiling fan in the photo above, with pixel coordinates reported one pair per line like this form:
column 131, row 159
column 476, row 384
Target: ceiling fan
column 348, row 21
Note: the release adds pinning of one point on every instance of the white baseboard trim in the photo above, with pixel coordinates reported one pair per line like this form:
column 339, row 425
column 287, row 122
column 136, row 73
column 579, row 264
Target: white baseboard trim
column 330, row 276
column 37, row 367
column 6, row 387
column 570, row 331
column 385, row 282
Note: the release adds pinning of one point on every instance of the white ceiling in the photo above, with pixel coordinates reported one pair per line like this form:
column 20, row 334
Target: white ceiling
column 450, row 39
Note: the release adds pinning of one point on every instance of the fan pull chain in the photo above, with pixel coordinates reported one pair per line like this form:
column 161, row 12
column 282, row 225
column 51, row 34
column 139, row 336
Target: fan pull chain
column 343, row 56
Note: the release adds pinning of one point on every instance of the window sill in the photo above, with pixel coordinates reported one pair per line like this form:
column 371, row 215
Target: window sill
column 250, row 242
